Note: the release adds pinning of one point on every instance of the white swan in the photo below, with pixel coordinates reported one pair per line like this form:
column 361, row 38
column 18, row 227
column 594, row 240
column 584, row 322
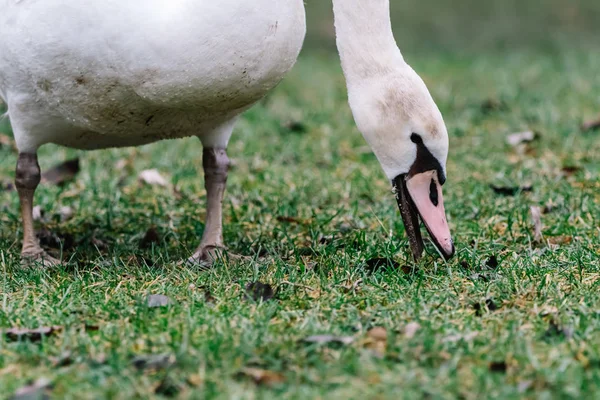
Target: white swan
column 115, row 73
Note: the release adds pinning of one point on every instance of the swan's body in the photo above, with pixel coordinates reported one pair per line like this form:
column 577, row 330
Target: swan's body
column 115, row 73
column 96, row 74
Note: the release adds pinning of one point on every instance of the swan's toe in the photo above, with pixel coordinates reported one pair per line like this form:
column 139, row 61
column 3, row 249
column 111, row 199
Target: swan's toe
column 38, row 258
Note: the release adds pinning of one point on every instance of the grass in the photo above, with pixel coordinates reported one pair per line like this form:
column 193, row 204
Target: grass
column 311, row 206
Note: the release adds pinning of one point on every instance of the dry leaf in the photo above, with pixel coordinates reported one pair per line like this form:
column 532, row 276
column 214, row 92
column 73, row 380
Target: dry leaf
column 591, row 125
column 291, row 220
column 377, row 341
column 521, row 137
column 411, row 329
column 325, row 339
column 37, row 213
column 263, row 376
column 6, row 141
column 152, row 177
column 560, row 240
column 467, row 337
column 536, row 217
column 34, row 335
column 62, row 173
column 65, row 213
column 35, row 391
column 158, row 300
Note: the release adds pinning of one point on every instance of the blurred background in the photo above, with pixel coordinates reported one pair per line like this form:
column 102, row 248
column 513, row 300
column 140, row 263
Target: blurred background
column 476, row 25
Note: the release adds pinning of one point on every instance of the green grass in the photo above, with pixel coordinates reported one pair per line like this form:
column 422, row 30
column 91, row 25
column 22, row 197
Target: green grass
column 541, row 341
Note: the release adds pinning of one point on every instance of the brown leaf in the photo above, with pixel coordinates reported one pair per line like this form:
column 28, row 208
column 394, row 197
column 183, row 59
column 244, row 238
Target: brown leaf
column 411, row 329
column 291, row 220
column 263, row 376
column 259, row 291
column 7, row 141
column 150, row 237
column 152, row 177
column 560, row 240
column 377, row 333
column 467, row 337
column 515, row 139
column 158, row 300
column 569, row 170
column 65, row 359
column 38, row 390
column 34, row 335
column 62, row 173
column 536, row 217
column 591, row 125
column 326, row 339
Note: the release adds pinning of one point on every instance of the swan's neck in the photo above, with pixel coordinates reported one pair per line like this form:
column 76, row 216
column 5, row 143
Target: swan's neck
column 364, row 38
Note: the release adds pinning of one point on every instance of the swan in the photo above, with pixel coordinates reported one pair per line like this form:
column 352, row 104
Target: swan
column 101, row 74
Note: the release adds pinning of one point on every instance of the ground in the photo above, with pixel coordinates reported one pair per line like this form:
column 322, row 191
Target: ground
column 509, row 316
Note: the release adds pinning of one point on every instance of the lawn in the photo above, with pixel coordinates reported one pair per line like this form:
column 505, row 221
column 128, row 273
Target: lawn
column 509, row 316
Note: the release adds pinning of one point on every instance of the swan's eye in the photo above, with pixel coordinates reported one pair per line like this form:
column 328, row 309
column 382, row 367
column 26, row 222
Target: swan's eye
column 416, row 138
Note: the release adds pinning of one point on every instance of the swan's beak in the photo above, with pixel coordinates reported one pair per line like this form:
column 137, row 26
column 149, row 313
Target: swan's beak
column 421, row 196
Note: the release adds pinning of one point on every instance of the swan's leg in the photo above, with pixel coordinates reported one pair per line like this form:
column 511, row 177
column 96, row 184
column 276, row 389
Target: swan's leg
column 28, row 177
column 216, row 164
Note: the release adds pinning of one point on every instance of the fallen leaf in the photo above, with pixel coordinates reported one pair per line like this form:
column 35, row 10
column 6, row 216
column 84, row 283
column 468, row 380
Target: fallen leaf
column 150, row 237
column 62, row 173
column 498, row 366
column 259, row 291
column 524, row 386
column 411, row 329
column 377, row 333
column 560, row 240
column 377, row 341
column 34, row 335
column 7, row 141
column 569, row 170
column 37, row 213
column 65, row 359
column 467, row 337
column 375, row 264
column 292, row 220
column 263, row 376
column 510, row 190
column 536, row 217
column 591, row 125
column 153, row 362
column 152, row 177
column 515, row 139
column 158, row 300
column 65, row 213
column 326, row 339
column 38, row 390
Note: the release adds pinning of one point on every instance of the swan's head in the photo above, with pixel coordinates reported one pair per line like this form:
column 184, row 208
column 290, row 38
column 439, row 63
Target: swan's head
column 404, row 127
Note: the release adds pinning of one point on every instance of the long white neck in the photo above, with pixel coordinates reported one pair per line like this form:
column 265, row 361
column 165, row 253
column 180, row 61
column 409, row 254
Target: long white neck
column 364, row 38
